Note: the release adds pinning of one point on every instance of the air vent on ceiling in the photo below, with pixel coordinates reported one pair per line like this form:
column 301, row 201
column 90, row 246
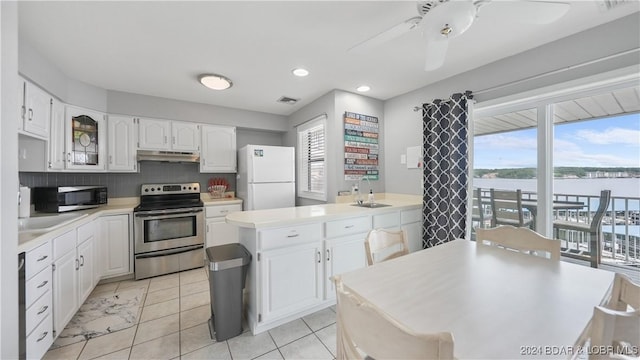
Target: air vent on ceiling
column 288, row 100
column 606, row 5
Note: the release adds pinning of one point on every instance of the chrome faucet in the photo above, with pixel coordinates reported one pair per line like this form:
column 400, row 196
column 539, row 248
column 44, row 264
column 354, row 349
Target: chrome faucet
column 355, row 191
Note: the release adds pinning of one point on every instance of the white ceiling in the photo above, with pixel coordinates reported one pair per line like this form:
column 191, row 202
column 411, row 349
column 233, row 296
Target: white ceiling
column 159, row 48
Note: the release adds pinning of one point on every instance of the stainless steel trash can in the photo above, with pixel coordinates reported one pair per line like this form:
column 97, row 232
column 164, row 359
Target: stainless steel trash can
column 228, row 265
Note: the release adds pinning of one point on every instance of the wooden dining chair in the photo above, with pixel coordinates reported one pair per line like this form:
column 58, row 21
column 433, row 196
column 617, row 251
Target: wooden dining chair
column 625, row 294
column 592, row 229
column 520, row 239
column 477, row 211
column 363, row 331
column 613, row 333
column 506, row 208
column 383, row 244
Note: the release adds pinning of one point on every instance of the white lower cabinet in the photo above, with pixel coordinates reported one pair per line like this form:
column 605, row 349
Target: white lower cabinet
column 342, row 255
column 290, row 273
column 411, row 221
column 217, row 231
column 38, row 302
column 115, row 246
column 291, row 279
column 65, row 280
column 73, row 272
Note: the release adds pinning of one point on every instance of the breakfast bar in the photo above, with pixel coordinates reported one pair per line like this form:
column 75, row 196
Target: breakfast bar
column 296, row 250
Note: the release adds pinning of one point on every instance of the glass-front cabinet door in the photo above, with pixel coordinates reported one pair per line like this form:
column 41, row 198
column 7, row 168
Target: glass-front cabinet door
column 86, row 147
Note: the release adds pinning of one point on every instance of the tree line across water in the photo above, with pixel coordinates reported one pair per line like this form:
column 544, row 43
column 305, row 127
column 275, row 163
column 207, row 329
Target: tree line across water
column 559, row 172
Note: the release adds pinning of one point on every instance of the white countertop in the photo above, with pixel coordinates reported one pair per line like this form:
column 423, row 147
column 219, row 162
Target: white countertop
column 294, row 215
column 115, row 206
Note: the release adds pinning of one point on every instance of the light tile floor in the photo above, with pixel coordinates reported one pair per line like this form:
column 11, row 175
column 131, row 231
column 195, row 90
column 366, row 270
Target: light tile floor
column 173, row 325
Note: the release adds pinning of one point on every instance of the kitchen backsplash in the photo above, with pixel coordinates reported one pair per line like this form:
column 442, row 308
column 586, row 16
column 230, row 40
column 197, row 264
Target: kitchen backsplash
column 128, row 184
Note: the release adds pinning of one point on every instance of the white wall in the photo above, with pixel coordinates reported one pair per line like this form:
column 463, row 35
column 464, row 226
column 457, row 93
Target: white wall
column 254, row 137
column 8, row 180
column 346, row 101
column 334, row 104
column 403, row 126
column 150, row 106
column 40, row 71
column 323, row 105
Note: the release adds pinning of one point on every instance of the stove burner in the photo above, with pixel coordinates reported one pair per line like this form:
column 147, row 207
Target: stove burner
column 169, row 196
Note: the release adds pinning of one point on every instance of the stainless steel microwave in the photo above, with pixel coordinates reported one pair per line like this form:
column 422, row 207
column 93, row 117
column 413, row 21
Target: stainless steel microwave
column 68, row 198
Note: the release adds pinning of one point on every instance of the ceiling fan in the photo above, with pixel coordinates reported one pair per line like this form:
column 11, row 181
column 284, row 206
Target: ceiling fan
column 443, row 20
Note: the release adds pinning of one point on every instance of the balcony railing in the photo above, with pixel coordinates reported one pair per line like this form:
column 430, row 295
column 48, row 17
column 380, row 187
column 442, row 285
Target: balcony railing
column 619, row 239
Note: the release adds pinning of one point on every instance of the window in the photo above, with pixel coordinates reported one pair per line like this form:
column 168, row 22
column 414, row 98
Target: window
column 312, row 180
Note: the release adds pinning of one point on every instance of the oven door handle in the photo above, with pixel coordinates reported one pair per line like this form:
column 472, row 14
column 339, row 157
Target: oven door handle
column 167, row 212
column 169, row 252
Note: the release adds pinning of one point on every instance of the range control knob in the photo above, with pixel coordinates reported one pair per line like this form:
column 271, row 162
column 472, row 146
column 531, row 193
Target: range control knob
column 146, row 190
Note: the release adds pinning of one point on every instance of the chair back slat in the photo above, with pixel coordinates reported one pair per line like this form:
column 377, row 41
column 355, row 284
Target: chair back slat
column 506, row 208
column 616, row 332
column 521, row 239
column 625, row 294
column 383, row 244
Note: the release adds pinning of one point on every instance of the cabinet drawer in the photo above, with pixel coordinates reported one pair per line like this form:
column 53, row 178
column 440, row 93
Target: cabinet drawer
column 37, row 259
column 409, row 216
column 39, row 341
column 221, row 210
column 63, row 244
column 347, row 226
column 86, row 232
column 388, row 220
column 287, row 236
column 38, row 311
column 37, row 286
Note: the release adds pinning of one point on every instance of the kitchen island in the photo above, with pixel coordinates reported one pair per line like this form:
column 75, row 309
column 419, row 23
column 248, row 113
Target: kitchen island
column 296, row 250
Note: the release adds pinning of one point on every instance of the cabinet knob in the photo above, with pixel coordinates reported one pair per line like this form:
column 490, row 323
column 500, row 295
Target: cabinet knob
column 30, row 114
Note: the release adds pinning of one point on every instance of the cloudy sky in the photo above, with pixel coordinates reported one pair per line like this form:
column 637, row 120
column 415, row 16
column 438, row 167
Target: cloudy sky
column 611, row 142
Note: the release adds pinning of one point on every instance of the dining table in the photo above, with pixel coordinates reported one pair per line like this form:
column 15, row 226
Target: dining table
column 497, row 303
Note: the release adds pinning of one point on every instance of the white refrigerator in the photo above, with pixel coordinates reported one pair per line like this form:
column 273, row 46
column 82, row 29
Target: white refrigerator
column 266, row 177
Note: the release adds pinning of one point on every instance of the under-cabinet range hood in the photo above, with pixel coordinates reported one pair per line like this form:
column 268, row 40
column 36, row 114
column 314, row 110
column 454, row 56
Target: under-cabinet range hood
column 168, row 156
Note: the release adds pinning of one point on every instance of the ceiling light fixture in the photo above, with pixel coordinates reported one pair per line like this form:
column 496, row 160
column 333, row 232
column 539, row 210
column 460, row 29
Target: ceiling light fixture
column 215, row 81
column 363, row 88
column 300, row 72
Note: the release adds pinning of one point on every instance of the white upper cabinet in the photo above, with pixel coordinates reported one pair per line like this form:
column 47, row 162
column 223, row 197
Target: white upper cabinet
column 154, row 134
column 35, row 110
column 121, row 147
column 185, row 136
column 218, row 149
column 85, row 140
column 56, row 155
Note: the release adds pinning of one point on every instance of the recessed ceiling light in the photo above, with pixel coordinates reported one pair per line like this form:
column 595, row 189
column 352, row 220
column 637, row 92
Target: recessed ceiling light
column 300, row 72
column 363, row 88
column 215, row 81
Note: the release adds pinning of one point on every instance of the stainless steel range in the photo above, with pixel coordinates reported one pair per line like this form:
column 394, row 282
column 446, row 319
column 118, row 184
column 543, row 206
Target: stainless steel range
column 168, row 229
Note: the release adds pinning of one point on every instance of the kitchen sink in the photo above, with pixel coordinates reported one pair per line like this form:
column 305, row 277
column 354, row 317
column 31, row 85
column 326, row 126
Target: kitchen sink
column 47, row 222
column 370, row 205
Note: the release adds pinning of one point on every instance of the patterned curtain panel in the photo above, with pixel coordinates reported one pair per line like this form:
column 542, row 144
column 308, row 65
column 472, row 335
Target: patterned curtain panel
column 445, row 157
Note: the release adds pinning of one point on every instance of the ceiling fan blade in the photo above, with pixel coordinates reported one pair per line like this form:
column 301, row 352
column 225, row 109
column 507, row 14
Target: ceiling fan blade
column 387, row 35
column 529, row 12
column 436, row 53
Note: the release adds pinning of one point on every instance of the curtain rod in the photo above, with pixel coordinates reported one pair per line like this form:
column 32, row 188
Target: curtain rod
column 552, row 72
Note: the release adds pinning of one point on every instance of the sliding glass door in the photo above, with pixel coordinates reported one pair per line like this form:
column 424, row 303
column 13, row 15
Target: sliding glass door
column 561, row 148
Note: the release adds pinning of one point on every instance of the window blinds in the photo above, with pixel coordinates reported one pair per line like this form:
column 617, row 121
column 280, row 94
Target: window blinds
column 312, row 154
